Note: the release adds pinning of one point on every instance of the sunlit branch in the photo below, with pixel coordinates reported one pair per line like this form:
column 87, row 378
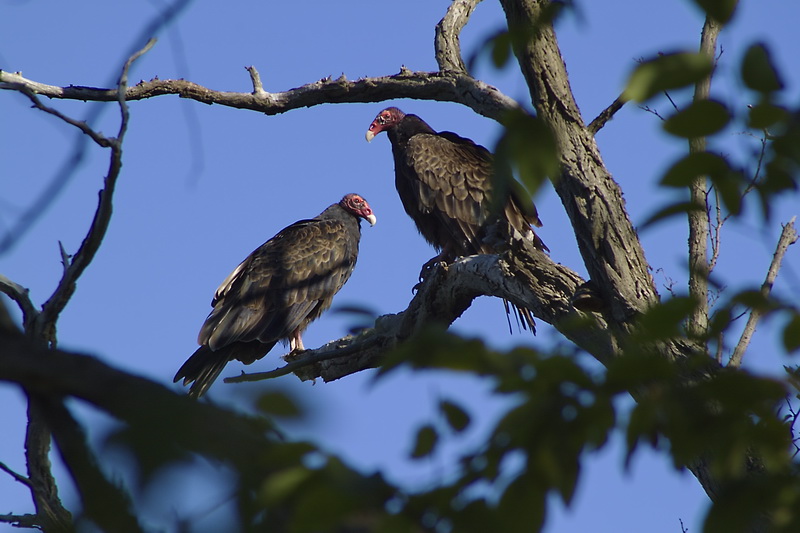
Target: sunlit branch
column 20, row 295
column 787, row 238
column 255, row 77
column 446, row 42
column 526, row 278
column 442, row 86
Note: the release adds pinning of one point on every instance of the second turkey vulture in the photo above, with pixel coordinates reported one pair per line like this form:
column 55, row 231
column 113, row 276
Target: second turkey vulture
column 274, row 294
column 445, row 184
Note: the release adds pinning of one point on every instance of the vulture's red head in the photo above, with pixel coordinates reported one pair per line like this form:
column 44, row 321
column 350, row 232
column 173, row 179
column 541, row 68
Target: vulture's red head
column 355, row 204
column 386, row 119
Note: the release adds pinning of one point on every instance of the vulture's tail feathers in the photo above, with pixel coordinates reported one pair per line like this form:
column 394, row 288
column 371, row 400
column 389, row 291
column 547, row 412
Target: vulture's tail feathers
column 523, row 316
column 202, row 368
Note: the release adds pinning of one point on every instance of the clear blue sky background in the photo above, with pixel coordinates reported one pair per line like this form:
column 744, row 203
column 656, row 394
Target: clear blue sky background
column 203, row 186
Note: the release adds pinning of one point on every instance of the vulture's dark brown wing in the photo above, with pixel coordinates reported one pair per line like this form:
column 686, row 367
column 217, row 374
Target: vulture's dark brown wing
column 283, row 285
column 445, row 182
column 449, row 182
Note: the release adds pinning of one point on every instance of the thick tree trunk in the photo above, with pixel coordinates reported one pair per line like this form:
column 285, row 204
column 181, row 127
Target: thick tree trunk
column 609, row 245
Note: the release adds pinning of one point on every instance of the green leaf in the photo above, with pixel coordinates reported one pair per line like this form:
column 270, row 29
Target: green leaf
column 727, row 181
column 668, row 71
column 277, row 404
column 457, row 417
column 791, row 334
column 426, row 442
column 764, row 115
column 720, row 322
column 283, row 484
column 729, row 188
column 522, row 507
column 665, row 319
column 758, row 71
column 701, row 118
column 671, row 210
column 527, row 145
column 754, row 299
column 684, row 172
column 501, row 49
column 719, row 10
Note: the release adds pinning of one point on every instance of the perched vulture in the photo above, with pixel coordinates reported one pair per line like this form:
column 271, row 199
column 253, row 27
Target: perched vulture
column 274, row 294
column 445, row 184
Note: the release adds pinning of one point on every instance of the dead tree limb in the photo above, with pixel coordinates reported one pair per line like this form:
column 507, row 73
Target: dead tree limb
column 787, row 238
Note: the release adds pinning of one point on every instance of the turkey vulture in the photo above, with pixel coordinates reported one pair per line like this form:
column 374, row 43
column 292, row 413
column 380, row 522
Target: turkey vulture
column 274, row 294
column 445, row 184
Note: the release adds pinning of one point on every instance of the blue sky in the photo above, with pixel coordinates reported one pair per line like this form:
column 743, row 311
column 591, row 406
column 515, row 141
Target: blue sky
column 202, row 186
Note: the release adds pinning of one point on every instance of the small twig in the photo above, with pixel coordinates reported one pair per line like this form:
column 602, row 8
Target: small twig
column 255, row 77
column 17, row 477
column 651, row 110
column 794, row 415
column 21, row 296
column 716, row 226
column 671, row 101
column 787, row 238
column 65, row 257
column 607, row 114
column 81, row 125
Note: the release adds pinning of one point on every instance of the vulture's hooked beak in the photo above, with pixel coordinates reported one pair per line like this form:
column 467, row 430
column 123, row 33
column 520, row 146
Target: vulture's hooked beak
column 371, row 218
column 370, row 135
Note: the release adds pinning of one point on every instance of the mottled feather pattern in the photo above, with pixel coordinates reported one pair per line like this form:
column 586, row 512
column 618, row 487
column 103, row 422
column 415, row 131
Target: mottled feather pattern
column 277, row 287
column 285, row 284
column 445, row 183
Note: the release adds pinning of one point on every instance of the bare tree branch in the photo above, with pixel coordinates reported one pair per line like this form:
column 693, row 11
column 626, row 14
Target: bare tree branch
column 41, row 326
column 442, row 86
column 448, row 30
column 17, row 477
column 787, row 238
column 697, row 323
column 524, row 276
column 44, row 326
column 81, row 125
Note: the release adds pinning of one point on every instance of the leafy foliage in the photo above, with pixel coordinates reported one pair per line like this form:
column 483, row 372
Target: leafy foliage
column 667, row 72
